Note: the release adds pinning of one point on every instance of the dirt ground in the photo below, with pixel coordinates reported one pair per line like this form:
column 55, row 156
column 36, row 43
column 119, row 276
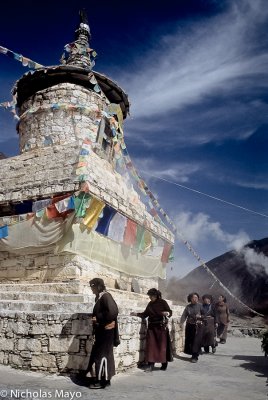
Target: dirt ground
column 238, row 371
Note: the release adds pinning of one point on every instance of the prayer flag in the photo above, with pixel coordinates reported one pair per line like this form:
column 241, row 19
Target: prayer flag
column 130, row 233
column 93, row 212
column 81, row 203
column 117, row 227
column 166, row 252
column 104, row 222
column 3, row 231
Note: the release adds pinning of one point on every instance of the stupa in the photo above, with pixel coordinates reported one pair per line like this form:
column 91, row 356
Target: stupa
column 72, row 207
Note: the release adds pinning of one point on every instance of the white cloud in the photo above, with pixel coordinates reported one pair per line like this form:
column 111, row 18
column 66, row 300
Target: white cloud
column 254, row 184
column 209, row 240
column 199, row 229
column 256, row 262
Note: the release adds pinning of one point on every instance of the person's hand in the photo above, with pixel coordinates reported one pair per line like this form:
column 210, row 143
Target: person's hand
column 94, row 319
column 165, row 313
column 216, row 325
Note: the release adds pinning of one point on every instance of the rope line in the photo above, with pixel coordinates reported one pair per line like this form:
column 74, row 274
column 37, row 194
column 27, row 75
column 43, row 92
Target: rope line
column 207, row 195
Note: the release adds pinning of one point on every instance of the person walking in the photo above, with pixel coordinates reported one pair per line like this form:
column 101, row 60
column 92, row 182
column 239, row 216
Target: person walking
column 209, row 324
column 223, row 318
column 158, row 345
column 194, row 326
column 105, row 330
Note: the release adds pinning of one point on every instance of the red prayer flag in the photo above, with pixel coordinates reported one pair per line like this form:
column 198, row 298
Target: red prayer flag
column 130, row 233
column 166, row 252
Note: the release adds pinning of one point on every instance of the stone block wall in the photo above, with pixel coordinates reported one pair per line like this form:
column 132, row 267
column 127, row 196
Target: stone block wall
column 66, row 267
column 63, row 342
column 41, row 125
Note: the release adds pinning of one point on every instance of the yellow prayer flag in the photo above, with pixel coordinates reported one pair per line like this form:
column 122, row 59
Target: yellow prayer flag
column 92, row 213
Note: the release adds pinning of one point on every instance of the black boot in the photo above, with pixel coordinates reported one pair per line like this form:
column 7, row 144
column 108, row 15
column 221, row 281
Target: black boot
column 150, row 367
column 164, row 366
column 194, row 358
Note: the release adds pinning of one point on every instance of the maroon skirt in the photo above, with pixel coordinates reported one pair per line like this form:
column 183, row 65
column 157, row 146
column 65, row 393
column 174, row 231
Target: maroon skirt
column 158, row 345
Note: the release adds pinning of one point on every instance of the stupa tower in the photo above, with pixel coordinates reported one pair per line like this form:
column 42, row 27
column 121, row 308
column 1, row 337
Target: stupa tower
column 71, row 210
column 60, row 108
column 63, row 104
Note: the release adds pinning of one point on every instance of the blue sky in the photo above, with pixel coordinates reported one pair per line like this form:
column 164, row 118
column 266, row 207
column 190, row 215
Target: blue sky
column 196, row 75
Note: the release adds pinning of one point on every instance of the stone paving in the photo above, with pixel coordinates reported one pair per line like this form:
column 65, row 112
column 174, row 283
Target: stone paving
column 238, row 371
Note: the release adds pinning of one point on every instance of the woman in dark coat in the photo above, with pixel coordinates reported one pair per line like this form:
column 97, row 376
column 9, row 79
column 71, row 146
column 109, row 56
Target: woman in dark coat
column 194, row 326
column 105, row 331
column 158, row 345
column 223, row 318
column 209, row 324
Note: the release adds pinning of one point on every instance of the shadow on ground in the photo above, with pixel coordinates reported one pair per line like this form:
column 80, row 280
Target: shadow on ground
column 81, row 379
column 188, row 359
column 258, row 364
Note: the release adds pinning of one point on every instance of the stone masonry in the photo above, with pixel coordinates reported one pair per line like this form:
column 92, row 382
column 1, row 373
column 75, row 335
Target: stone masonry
column 45, row 301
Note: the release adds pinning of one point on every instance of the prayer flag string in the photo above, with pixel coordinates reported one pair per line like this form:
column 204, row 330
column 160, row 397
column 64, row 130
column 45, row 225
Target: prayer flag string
column 26, row 62
column 144, row 188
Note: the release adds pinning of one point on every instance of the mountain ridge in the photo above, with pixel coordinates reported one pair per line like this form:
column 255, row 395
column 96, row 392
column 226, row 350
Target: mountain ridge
column 243, row 272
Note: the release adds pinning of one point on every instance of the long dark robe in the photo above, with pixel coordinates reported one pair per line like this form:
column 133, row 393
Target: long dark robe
column 158, row 345
column 105, row 311
column 222, row 313
column 193, row 329
column 209, row 329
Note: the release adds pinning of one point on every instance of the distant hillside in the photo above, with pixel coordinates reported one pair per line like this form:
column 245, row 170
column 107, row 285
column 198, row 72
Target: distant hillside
column 244, row 273
column 2, row 156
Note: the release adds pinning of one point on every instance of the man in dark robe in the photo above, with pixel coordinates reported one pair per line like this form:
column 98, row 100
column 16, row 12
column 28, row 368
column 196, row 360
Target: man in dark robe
column 105, row 331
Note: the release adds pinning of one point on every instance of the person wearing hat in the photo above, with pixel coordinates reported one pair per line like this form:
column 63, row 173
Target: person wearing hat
column 105, row 330
column 209, row 324
column 158, row 345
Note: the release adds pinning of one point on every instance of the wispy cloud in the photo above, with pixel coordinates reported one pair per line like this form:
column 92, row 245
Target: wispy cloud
column 254, row 184
column 219, row 63
column 179, row 171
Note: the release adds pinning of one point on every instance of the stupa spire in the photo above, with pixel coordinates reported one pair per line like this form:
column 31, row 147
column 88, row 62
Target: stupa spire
column 79, row 53
column 82, row 33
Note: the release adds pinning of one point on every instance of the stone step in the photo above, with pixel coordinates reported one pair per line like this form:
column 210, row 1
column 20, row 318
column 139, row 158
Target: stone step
column 41, row 295
column 53, row 302
column 62, row 298
column 55, row 287
column 46, row 297
column 32, row 306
